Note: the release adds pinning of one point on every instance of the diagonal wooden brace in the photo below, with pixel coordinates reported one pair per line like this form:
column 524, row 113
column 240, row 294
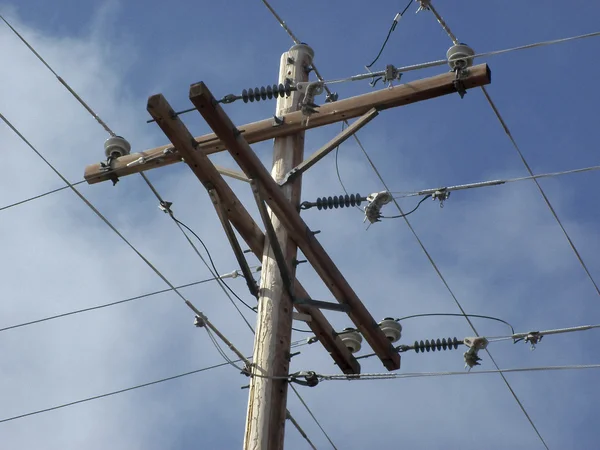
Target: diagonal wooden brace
column 235, row 245
column 240, row 150
column 208, row 175
column 284, row 270
column 335, row 142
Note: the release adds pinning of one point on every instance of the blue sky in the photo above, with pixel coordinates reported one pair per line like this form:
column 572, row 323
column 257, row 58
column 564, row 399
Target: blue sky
column 499, row 248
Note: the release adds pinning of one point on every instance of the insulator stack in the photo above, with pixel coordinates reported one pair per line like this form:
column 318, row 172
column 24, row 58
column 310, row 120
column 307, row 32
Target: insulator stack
column 337, row 201
column 436, row 344
column 268, row 92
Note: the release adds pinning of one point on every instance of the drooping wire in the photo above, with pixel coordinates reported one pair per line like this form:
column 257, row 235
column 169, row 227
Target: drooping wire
column 391, row 30
column 544, row 196
column 458, row 315
column 409, row 212
column 212, row 262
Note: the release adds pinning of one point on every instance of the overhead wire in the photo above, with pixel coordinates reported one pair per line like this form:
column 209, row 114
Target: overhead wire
column 142, row 174
column 457, row 315
column 409, row 212
column 395, row 375
column 202, row 318
column 428, row 6
column 313, row 416
column 542, row 192
column 109, row 394
column 508, row 385
column 391, row 30
column 21, row 202
column 106, row 305
column 443, row 62
column 60, row 79
column 480, row 184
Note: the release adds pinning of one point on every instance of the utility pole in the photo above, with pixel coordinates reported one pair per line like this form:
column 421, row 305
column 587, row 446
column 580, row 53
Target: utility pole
column 285, row 230
column 265, row 421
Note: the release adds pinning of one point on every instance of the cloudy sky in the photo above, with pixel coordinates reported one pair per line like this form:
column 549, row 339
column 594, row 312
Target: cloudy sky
column 499, row 248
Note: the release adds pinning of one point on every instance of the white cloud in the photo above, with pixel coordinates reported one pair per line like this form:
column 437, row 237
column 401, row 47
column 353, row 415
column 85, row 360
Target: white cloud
column 498, row 249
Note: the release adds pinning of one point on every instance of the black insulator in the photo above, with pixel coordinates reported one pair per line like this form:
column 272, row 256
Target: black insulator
column 338, row 201
column 266, row 92
column 436, row 344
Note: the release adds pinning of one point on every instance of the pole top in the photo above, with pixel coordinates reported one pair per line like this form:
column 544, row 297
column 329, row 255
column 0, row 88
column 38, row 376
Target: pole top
column 303, row 48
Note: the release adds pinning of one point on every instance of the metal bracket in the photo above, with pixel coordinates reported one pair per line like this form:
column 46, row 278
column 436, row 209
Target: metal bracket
column 310, row 90
column 341, row 307
column 278, row 121
column 284, row 270
column 376, row 202
column 235, row 245
column 459, row 85
column 332, row 144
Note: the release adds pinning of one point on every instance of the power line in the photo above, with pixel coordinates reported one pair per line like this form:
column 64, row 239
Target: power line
column 20, row 202
column 313, row 416
column 108, row 394
column 202, row 320
column 428, row 6
column 495, row 182
column 457, row 315
column 106, row 305
column 391, row 30
column 443, row 62
column 60, row 79
column 513, row 393
column 546, row 200
column 389, row 376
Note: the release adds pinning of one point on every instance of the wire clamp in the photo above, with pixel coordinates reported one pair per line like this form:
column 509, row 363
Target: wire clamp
column 247, row 370
column 534, row 338
column 278, row 121
column 376, row 202
column 475, row 344
column 310, row 90
column 441, row 195
column 311, row 379
column 391, row 74
column 199, row 322
column 423, row 5
column 165, row 207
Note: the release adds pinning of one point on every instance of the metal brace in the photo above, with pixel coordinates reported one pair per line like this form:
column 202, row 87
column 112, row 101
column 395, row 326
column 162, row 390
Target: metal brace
column 235, row 245
column 284, row 270
column 461, row 73
column 376, row 202
column 475, row 344
column 311, row 90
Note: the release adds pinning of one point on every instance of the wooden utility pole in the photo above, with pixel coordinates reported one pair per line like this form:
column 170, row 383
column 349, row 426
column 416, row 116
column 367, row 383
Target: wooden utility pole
column 286, row 231
column 265, row 421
